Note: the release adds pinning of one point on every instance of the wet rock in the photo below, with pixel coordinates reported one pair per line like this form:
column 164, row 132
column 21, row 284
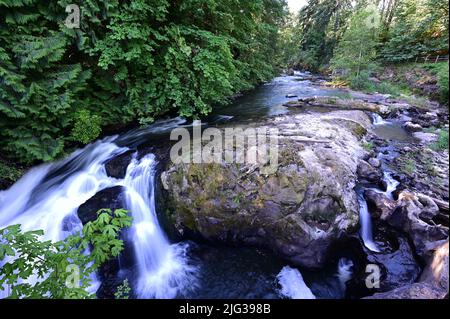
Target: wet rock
column 426, row 138
column 397, row 262
column 111, row 198
column 380, row 206
column 404, row 118
column 117, row 167
column 368, row 172
column 297, row 211
column 406, row 149
column 413, row 217
column 412, row 127
column 375, row 162
column 413, row 291
column 290, row 72
column 294, row 104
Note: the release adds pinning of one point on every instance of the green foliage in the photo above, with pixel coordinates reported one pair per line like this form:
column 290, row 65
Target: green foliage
column 123, row 291
column 42, row 269
column 354, row 56
column 441, row 70
column 443, row 74
column 368, row 146
column 321, row 24
column 87, row 127
column 9, row 171
column 405, row 30
column 408, row 166
column 442, row 143
column 419, row 28
column 129, row 62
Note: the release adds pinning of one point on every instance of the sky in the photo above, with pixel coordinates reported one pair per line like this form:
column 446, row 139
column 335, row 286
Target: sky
column 295, row 5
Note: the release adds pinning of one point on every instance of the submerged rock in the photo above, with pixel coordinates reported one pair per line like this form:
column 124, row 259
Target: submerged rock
column 297, row 210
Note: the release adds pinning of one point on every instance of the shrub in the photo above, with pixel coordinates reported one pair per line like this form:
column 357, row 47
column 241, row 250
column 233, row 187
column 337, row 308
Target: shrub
column 24, row 255
column 442, row 142
column 87, row 127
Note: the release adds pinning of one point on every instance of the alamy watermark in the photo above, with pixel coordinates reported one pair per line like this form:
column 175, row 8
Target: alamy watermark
column 73, row 18
column 253, row 146
column 374, row 276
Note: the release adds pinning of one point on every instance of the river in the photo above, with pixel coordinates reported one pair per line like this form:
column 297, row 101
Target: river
column 48, row 197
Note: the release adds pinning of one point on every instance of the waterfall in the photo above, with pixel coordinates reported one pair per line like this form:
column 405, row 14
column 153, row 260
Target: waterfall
column 345, row 272
column 378, row 120
column 292, row 284
column 47, row 198
column 163, row 272
column 366, row 225
column 391, row 184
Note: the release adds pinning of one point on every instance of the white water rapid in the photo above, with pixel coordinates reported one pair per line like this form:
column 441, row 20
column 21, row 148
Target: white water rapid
column 292, row 284
column 48, row 197
column 378, row 120
column 345, row 272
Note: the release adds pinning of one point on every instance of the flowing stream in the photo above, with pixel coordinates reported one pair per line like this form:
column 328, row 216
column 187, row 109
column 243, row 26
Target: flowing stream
column 163, row 271
column 48, row 198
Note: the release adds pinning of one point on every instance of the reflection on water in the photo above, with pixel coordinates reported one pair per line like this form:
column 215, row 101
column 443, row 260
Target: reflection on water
column 392, row 131
column 267, row 99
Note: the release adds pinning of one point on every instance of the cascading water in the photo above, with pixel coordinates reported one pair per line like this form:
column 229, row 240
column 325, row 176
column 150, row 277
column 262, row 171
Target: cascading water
column 47, row 198
column 391, row 184
column 163, row 272
column 378, row 120
column 345, row 272
column 366, row 225
column 292, row 284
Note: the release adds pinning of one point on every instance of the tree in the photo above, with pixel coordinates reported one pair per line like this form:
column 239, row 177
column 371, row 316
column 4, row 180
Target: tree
column 419, row 28
column 320, row 26
column 129, row 63
column 42, row 269
column 355, row 55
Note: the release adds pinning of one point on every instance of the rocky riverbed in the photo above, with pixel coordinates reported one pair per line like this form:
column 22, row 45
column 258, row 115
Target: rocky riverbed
column 356, row 205
column 309, row 205
column 335, row 154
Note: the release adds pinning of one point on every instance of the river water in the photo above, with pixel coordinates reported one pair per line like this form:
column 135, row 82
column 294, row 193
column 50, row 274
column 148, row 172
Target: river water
column 48, row 197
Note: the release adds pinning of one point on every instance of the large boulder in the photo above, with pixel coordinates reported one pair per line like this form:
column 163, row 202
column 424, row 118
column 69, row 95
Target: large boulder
column 433, row 283
column 380, row 206
column 298, row 210
column 414, row 215
column 369, row 173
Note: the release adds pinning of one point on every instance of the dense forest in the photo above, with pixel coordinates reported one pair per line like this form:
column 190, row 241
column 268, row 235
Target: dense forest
column 132, row 62
column 129, row 62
